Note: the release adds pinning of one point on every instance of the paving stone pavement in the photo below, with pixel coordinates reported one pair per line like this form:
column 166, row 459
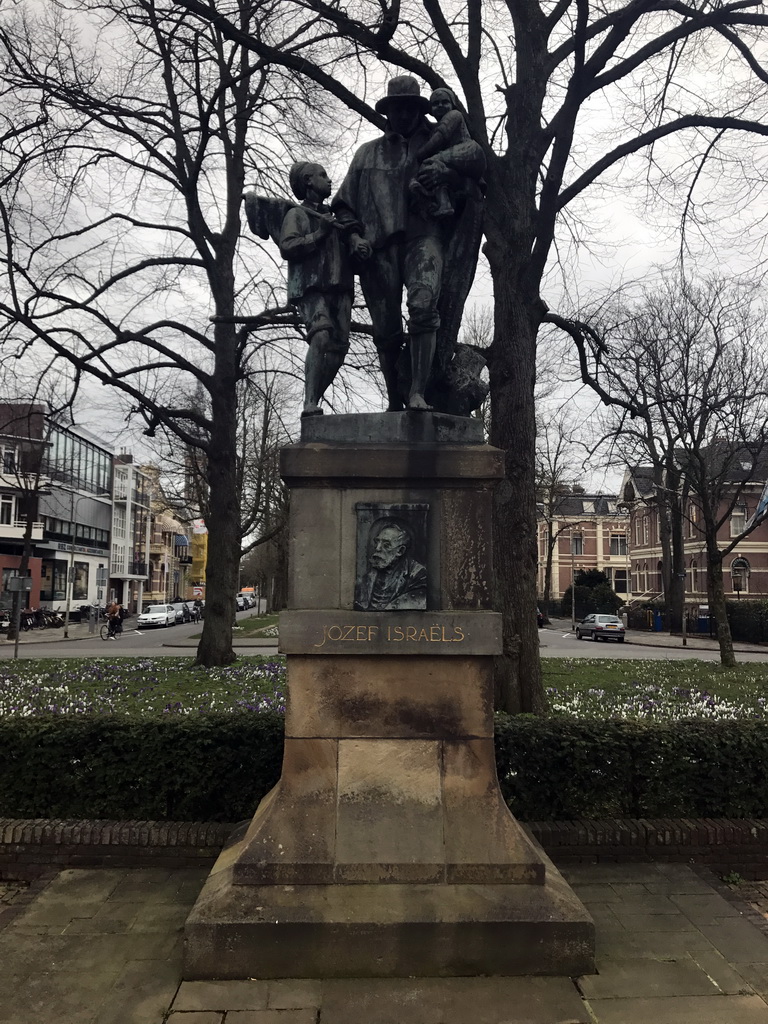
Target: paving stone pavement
column 103, row 946
column 9, row 891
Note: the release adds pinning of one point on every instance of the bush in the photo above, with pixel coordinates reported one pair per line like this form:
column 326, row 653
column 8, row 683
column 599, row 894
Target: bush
column 203, row 767
column 218, row 766
column 748, row 620
column 563, row 768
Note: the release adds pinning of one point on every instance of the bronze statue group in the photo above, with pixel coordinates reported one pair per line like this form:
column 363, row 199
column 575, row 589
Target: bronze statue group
column 406, row 219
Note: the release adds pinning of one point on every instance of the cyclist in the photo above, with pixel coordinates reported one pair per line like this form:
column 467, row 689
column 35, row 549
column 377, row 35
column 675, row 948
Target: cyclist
column 114, row 613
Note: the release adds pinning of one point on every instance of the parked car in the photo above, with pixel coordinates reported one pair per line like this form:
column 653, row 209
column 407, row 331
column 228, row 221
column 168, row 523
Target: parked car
column 183, row 611
column 601, row 627
column 157, row 615
column 241, row 602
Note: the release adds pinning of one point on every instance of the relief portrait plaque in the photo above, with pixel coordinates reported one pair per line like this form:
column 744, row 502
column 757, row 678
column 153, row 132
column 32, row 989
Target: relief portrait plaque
column 391, row 572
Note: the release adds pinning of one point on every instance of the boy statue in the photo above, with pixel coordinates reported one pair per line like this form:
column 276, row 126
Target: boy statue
column 320, row 279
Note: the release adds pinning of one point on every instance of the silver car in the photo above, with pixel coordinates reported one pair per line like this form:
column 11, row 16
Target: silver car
column 601, row 627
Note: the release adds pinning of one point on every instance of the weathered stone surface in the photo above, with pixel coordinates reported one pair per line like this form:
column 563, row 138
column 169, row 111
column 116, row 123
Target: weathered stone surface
column 408, row 698
column 466, row 569
column 208, row 995
column 634, row 978
column 390, row 822
column 292, row 837
column 392, row 428
column 390, row 633
column 682, row 1010
column 452, row 465
column 387, row 930
column 483, row 842
column 315, row 567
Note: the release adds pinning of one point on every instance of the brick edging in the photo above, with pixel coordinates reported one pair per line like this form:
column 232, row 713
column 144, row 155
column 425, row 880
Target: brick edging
column 29, row 848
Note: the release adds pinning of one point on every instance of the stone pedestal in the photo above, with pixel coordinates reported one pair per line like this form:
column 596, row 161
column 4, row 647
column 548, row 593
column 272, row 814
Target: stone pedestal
column 386, row 848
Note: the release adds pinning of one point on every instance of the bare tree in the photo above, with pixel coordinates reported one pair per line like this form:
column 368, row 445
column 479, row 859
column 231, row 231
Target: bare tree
column 689, row 362
column 263, row 402
column 530, row 72
column 117, row 264
column 557, row 473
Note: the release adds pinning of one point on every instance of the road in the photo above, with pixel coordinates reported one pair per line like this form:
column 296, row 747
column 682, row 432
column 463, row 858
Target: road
column 557, row 641
column 149, row 643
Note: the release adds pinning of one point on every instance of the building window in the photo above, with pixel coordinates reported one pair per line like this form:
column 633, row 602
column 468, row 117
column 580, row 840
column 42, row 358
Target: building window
column 577, row 543
column 618, row 544
column 118, row 522
column 740, row 570
column 646, row 530
column 7, row 509
column 620, row 581
column 738, row 519
column 694, row 576
column 9, row 458
column 693, row 514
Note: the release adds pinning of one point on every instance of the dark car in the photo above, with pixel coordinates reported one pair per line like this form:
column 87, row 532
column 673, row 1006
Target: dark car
column 539, row 619
column 601, row 627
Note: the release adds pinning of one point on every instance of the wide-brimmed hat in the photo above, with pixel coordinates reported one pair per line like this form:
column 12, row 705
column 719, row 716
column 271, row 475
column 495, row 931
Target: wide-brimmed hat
column 403, row 88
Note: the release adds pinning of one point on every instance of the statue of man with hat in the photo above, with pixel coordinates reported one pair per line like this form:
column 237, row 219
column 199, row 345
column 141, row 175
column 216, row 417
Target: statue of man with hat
column 408, row 248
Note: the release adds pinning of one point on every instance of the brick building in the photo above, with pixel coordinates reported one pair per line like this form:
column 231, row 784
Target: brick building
column 746, row 568
column 588, row 532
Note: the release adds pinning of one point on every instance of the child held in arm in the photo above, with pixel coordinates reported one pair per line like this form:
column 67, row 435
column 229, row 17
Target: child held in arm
column 450, row 130
column 320, row 278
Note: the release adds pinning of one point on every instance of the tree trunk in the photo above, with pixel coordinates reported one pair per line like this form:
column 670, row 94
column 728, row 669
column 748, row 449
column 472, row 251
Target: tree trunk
column 665, row 541
column 717, row 604
column 221, row 575
column 512, row 370
column 677, row 581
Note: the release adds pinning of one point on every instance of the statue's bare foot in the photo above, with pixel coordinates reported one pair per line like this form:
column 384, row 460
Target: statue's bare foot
column 310, row 409
column 418, row 404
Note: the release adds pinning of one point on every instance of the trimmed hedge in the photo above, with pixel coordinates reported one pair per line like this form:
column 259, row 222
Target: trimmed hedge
column 562, row 768
column 204, row 767
column 748, row 620
column 216, row 767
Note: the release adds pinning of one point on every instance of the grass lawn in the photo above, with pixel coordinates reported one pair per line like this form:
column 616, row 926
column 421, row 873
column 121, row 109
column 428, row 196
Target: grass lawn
column 642, row 688
column 138, row 686
column 257, row 625
column 254, row 625
column 584, row 687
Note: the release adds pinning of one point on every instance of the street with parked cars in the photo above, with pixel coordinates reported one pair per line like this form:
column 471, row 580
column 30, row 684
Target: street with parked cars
column 157, row 615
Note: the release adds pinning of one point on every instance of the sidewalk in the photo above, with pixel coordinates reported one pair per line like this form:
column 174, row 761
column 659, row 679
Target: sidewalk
column 103, row 946
column 80, row 631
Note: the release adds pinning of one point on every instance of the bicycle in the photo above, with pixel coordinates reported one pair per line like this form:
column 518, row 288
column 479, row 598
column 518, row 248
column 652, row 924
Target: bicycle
column 108, row 631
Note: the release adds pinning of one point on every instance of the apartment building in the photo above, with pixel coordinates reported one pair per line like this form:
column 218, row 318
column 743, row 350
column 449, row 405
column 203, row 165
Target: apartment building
column 584, row 531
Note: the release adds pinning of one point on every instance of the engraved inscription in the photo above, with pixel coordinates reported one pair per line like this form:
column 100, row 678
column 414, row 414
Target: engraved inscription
column 370, row 632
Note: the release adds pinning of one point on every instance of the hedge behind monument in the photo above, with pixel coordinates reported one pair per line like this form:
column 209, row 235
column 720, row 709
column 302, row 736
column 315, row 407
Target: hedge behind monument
column 206, row 767
column 217, row 766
